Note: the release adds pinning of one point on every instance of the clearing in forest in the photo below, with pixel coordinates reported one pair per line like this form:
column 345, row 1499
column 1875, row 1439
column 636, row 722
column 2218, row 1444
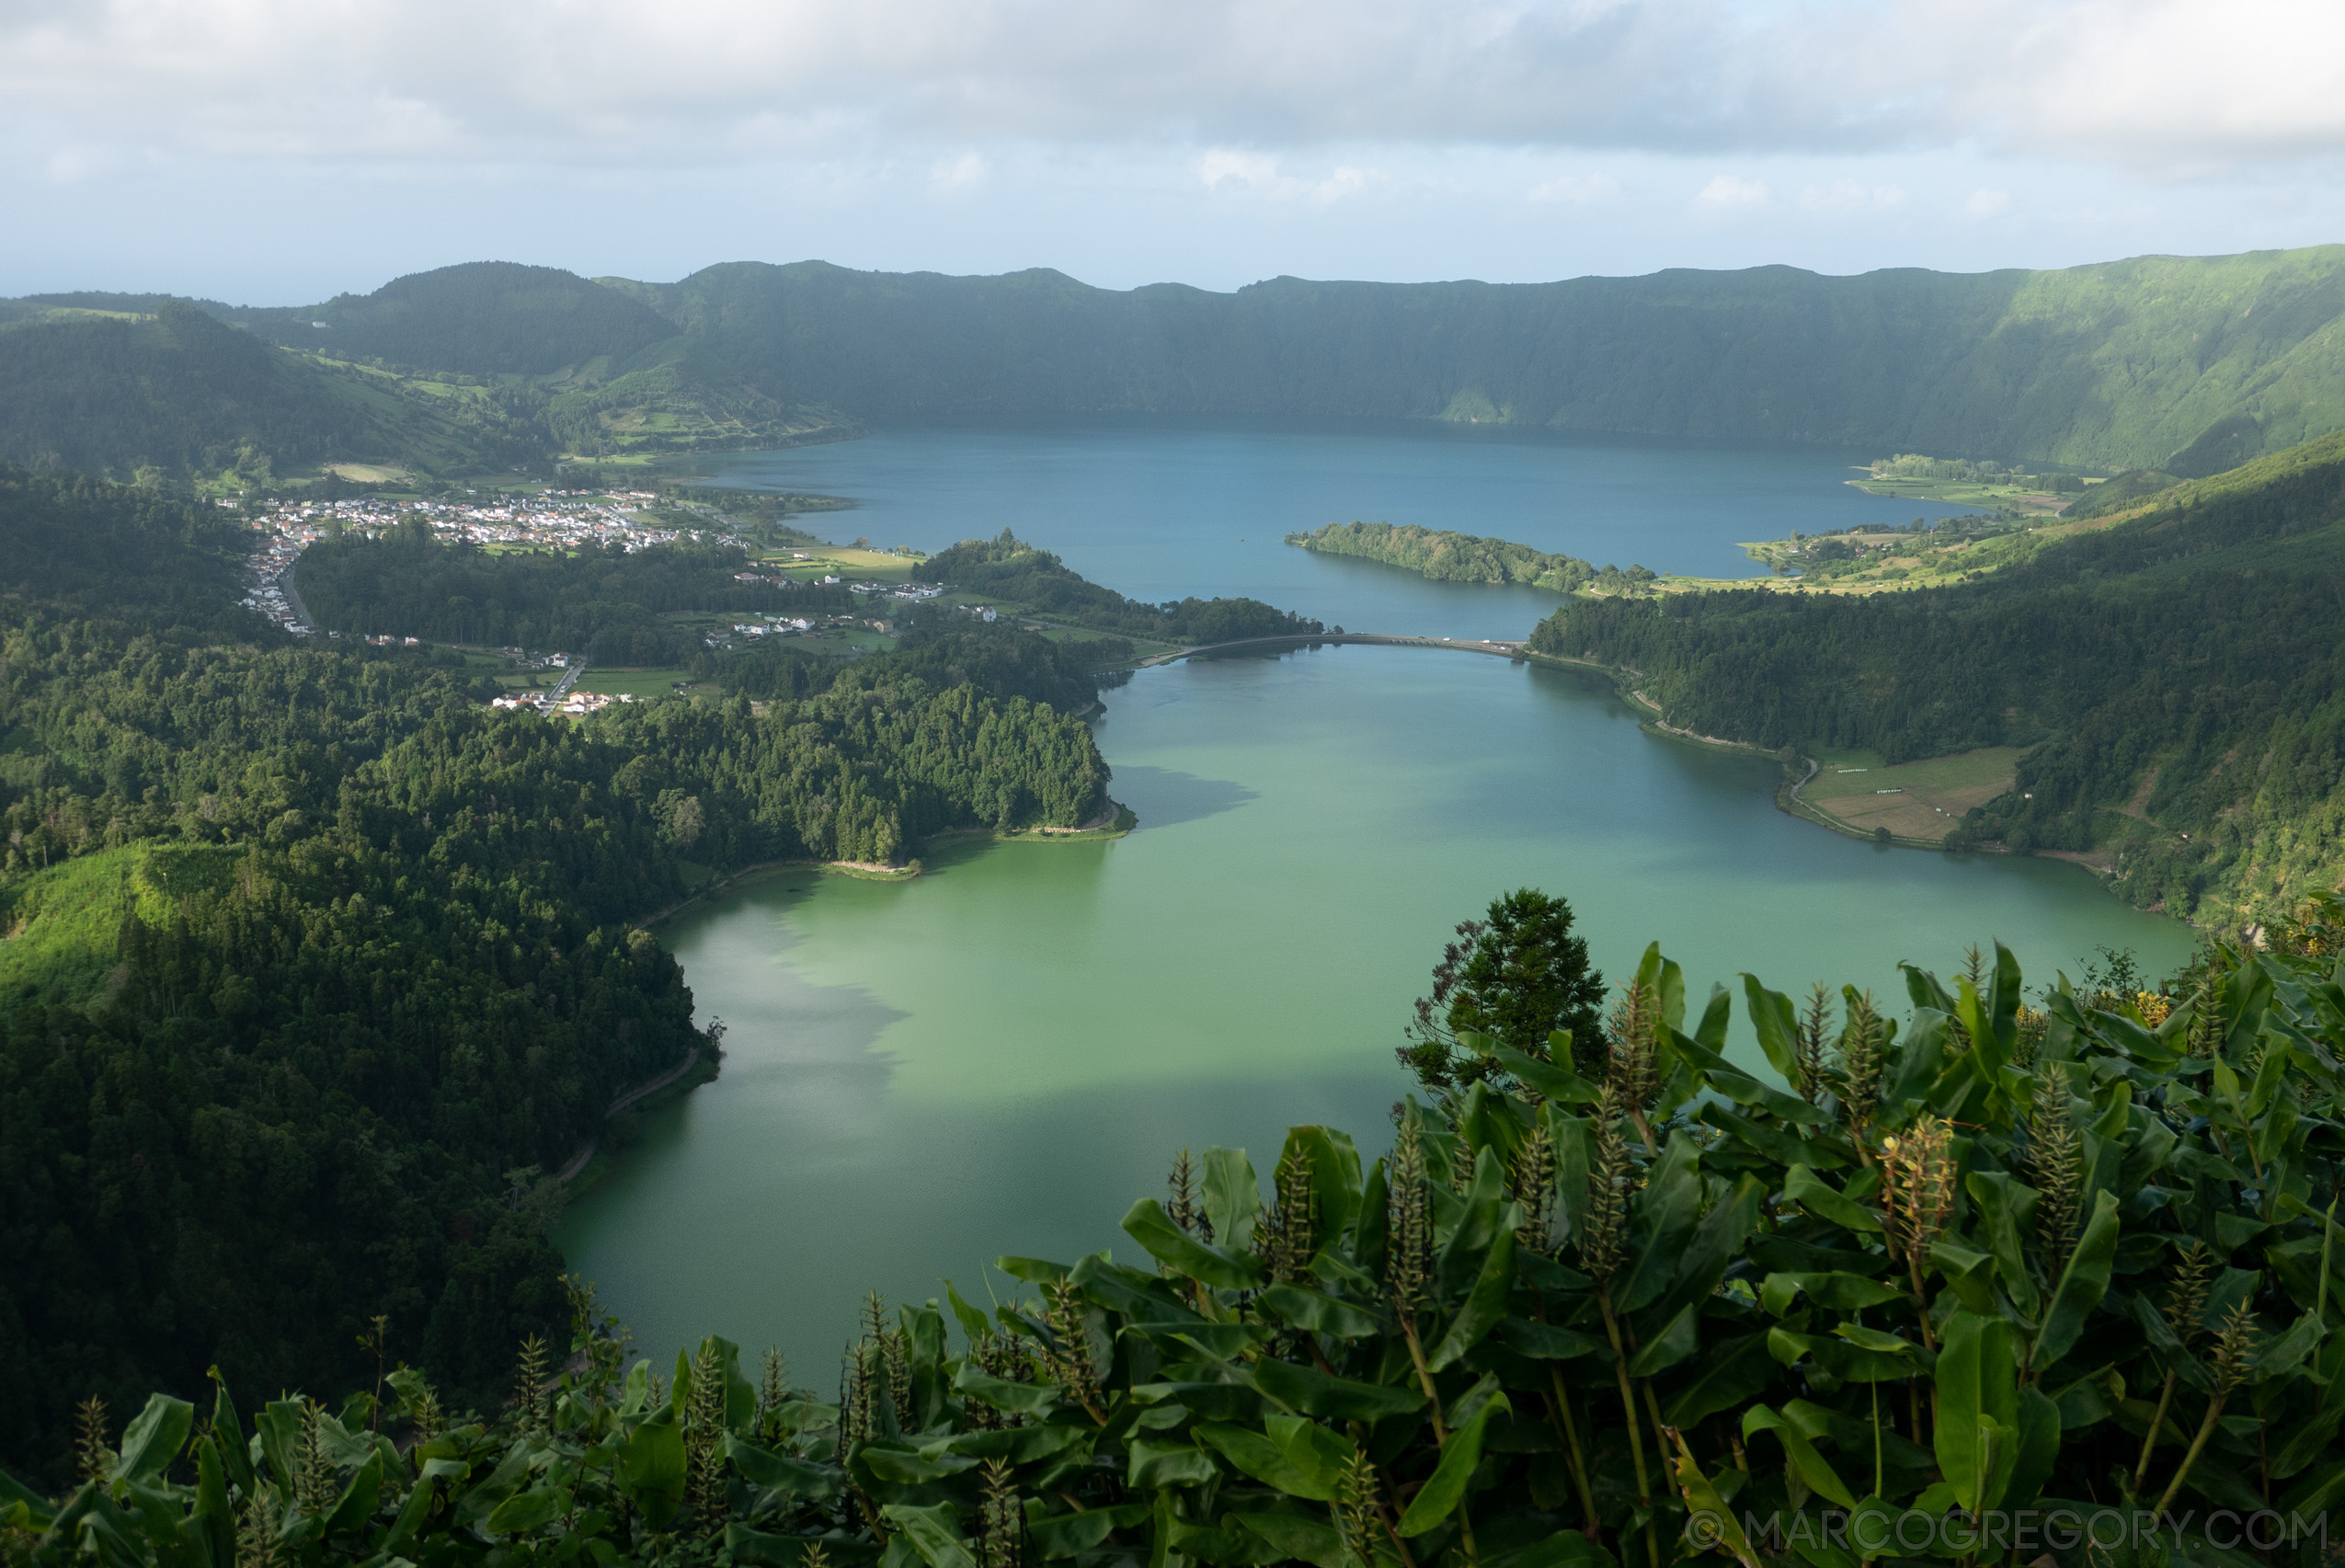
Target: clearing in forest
column 1913, row 800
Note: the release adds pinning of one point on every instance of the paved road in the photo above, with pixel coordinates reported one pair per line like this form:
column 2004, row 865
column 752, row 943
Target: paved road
column 294, row 595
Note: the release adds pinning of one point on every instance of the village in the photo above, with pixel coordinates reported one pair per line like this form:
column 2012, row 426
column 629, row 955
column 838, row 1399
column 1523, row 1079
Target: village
column 550, row 520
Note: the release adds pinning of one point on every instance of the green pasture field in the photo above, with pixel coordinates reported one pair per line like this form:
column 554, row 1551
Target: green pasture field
column 1966, row 493
column 638, row 682
column 1929, row 798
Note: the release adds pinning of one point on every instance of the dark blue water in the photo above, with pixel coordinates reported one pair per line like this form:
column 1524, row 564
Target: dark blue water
column 1162, row 509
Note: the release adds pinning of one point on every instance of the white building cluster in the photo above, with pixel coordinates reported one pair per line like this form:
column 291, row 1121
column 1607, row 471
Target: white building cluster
column 550, row 518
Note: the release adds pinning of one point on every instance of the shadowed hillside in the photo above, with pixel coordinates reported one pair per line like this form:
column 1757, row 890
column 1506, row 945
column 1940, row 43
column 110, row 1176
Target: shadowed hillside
column 2178, row 675
column 2147, row 362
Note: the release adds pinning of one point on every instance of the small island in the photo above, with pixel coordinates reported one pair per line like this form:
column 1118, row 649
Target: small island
column 1446, row 556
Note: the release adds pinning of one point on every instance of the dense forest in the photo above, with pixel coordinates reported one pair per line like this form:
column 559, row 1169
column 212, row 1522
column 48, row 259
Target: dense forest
column 1447, row 557
column 1014, row 570
column 1985, row 1272
column 606, row 603
column 2179, row 675
column 316, row 966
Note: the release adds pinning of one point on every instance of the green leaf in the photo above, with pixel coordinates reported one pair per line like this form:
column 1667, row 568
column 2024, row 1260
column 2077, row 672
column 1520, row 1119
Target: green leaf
column 1727, row 1377
column 1232, row 1197
column 1323, row 1313
column 2283, row 1356
column 1484, row 1305
column 1674, row 1344
column 1841, row 1292
column 1717, row 1242
column 1545, row 1342
column 651, row 1465
column 1662, row 1219
column 905, row 1466
column 1335, row 1177
column 1294, row 1536
column 1769, row 1143
column 1022, row 1399
column 1068, row 1535
column 1552, row 1081
column 1300, row 1458
column 1339, row 1398
column 2082, row 1285
column 1804, row 1187
column 1740, row 1086
column 526, row 1511
column 974, row 1323
column 1702, row 1498
column 750, row 1546
column 1447, row 1488
column 1465, row 1254
column 1978, row 1405
column 1777, row 1023
column 1970, row 1272
column 2037, row 1451
column 781, row 1474
column 1155, row 1465
column 935, row 1531
column 356, row 1505
column 2007, row 1209
column 1812, row 1467
column 1148, row 1224
column 155, row 1436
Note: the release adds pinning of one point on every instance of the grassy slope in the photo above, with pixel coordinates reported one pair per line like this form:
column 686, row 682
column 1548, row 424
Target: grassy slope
column 2116, row 365
column 60, row 930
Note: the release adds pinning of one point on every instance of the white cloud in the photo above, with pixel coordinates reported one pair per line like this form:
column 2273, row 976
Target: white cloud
column 2181, row 87
column 1578, row 190
column 1985, row 204
column 1850, row 196
column 1258, row 173
column 1731, row 190
column 964, row 173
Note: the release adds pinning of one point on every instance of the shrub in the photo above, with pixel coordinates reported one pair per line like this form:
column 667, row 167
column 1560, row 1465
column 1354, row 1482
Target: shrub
column 1989, row 1261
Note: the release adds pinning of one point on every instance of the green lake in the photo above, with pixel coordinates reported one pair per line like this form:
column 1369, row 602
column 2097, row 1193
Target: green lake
column 999, row 1057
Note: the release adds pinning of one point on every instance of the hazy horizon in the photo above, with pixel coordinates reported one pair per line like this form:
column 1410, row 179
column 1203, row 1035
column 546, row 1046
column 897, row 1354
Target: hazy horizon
column 369, row 286
column 280, row 151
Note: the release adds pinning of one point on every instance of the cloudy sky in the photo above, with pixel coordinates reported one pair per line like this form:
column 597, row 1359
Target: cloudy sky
column 280, row 151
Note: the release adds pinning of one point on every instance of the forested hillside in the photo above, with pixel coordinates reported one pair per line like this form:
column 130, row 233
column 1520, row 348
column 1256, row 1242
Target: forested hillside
column 1014, row 569
column 2179, row 675
column 2156, row 361
column 454, row 371
column 482, row 318
column 314, row 966
column 1449, row 556
column 2189, row 365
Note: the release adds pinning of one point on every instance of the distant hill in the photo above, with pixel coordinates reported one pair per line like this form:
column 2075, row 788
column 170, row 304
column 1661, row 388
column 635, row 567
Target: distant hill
column 2178, row 675
column 482, row 318
column 2125, row 364
column 446, row 373
column 2188, row 366
column 182, row 393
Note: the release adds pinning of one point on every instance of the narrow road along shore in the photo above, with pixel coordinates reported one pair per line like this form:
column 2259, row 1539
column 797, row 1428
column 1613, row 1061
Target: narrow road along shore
column 1503, row 649
column 586, row 1150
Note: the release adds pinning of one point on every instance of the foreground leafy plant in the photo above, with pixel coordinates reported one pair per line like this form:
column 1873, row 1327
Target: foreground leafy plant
column 1988, row 1262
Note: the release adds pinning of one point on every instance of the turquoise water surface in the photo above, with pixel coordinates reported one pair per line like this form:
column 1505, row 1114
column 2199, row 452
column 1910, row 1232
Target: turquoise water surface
column 999, row 1057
